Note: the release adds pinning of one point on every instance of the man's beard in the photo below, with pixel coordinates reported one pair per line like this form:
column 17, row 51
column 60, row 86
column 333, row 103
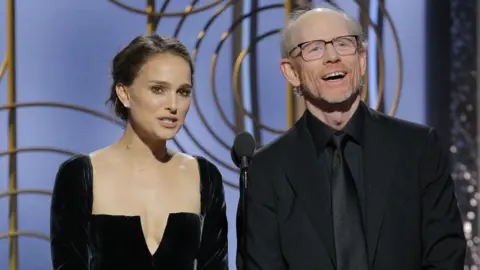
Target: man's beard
column 307, row 93
column 328, row 104
column 340, row 99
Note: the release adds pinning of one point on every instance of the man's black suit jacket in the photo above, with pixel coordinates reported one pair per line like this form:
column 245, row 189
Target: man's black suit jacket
column 411, row 217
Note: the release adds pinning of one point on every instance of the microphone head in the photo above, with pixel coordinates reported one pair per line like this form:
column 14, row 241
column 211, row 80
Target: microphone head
column 243, row 146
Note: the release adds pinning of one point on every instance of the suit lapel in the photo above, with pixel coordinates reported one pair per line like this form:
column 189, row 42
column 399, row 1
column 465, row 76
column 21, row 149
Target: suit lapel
column 310, row 183
column 379, row 165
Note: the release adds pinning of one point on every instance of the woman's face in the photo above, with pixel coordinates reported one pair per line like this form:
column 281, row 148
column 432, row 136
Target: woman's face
column 159, row 97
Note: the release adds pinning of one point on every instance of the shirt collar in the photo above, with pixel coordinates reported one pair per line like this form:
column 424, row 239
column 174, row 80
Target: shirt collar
column 321, row 133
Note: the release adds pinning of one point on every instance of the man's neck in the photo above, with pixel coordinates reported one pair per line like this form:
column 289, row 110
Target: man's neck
column 335, row 116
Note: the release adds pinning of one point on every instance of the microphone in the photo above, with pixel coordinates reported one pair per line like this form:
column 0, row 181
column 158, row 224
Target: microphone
column 241, row 154
column 243, row 149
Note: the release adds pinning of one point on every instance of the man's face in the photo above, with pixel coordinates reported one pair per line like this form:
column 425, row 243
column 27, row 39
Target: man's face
column 326, row 71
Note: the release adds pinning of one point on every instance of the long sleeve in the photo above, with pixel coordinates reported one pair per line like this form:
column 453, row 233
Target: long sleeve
column 443, row 239
column 262, row 231
column 213, row 253
column 68, row 217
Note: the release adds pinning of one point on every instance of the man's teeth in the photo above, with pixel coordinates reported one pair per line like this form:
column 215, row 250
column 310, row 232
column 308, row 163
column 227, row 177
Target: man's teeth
column 168, row 121
column 335, row 74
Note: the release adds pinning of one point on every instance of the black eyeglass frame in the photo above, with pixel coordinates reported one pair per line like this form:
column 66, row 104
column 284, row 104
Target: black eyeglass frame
column 301, row 45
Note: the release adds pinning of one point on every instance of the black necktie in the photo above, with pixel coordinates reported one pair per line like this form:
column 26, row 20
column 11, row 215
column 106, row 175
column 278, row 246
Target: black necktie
column 347, row 222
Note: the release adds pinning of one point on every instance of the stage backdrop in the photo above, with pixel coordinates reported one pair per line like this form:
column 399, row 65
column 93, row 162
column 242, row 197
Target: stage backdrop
column 61, row 66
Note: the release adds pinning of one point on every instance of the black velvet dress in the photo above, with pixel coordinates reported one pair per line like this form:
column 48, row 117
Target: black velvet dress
column 81, row 240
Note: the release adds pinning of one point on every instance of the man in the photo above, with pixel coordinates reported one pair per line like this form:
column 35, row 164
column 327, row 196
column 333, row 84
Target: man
column 347, row 188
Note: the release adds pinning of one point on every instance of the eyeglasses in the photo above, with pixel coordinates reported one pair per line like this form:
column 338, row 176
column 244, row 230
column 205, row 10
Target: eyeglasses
column 315, row 49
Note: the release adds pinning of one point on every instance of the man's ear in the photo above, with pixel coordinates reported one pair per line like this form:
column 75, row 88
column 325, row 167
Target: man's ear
column 289, row 72
column 363, row 61
column 122, row 94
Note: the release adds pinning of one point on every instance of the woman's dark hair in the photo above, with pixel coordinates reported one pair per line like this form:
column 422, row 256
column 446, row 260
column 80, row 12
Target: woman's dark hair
column 128, row 62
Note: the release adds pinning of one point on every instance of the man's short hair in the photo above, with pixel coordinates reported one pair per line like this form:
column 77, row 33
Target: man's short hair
column 285, row 39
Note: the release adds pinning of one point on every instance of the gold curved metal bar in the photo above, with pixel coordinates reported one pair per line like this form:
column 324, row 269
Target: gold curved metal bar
column 30, row 149
column 290, row 96
column 26, row 191
column 236, row 71
column 153, row 21
column 15, row 234
column 213, row 66
column 381, row 73
column 12, row 134
column 3, row 67
column 398, row 89
column 196, row 105
column 63, row 105
column 39, row 149
column 188, row 9
column 212, row 73
column 184, row 17
column 381, row 62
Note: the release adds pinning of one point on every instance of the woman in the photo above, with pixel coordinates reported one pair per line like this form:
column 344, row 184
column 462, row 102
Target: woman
column 136, row 204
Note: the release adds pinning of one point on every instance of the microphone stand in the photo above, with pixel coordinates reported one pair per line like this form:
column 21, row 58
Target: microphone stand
column 243, row 203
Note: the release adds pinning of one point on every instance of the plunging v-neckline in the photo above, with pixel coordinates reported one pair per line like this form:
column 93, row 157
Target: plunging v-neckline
column 165, row 231
column 145, row 242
